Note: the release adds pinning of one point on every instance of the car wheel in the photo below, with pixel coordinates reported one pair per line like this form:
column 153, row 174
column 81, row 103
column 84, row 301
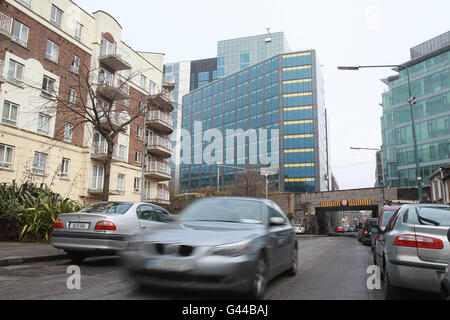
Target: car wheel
column 259, row 280
column 77, row 257
column 390, row 292
column 292, row 271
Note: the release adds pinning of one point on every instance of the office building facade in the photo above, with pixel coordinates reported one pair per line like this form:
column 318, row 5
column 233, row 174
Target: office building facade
column 283, row 93
column 429, row 69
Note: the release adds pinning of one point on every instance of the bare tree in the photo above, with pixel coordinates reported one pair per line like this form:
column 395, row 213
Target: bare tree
column 248, row 183
column 90, row 96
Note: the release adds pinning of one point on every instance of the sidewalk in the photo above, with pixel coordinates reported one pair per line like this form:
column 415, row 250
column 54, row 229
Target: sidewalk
column 14, row 253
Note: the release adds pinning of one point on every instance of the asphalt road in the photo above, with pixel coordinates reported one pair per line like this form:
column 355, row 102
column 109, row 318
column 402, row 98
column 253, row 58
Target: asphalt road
column 331, row 268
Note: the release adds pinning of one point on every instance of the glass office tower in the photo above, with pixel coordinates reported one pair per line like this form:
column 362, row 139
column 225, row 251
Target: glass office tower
column 430, row 81
column 237, row 54
column 284, row 93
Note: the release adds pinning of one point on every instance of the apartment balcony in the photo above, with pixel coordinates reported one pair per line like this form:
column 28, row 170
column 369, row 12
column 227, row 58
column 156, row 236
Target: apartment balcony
column 99, row 152
column 111, row 88
column 113, row 121
column 6, row 24
column 159, row 146
column 163, row 102
column 160, row 121
column 160, row 197
column 158, row 171
column 168, row 83
column 113, row 58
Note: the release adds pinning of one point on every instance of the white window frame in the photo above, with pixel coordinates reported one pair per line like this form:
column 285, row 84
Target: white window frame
column 9, row 120
column 26, row 3
column 6, row 163
column 75, row 66
column 56, row 16
column 15, row 72
column 137, row 184
column 72, row 96
column 41, row 163
column 44, row 124
column 78, row 30
column 122, row 152
column 152, row 90
column 53, row 55
column 68, row 131
column 138, row 157
column 143, row 81
column 21, row 33
column 47, row 84
column 65, row 168
column 140, row 132
column 121, row 182
column 97, row 179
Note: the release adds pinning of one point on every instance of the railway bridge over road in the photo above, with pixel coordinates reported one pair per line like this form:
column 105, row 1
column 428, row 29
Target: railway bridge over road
column 315, row 210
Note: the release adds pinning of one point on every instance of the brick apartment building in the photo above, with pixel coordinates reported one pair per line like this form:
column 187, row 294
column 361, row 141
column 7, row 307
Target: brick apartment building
column 47, row 49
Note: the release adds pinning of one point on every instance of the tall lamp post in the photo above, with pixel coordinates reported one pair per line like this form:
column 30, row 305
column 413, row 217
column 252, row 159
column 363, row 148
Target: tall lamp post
column 412, row 102
column 382, row 167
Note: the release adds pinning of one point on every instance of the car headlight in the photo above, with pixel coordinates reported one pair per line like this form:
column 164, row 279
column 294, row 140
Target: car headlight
column 232, row 250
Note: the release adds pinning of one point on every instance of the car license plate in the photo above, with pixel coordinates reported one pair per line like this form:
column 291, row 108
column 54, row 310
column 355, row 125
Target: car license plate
column 172, row 265
column 78, row 226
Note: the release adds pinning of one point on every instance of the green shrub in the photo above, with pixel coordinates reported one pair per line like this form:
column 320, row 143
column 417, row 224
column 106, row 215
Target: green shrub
column 28, row 212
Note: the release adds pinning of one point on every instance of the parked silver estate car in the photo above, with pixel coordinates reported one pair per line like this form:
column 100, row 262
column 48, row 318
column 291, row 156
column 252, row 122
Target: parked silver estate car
column 232, row 244
column 104, row 228
column 413, row 251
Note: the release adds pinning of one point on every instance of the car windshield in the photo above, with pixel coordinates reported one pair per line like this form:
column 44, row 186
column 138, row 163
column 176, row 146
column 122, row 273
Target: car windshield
column 108, row 208
column 433, row 215
column 387, row 215
column 224, row 210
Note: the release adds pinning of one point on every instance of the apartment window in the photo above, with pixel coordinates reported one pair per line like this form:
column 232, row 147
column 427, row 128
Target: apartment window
column 97, row 177
column 122, row 152
column 72, row 96
column 138, row 157
column 78, row 31
column 152, row 90
column 65, row 168
column 9, row 115
column 126, row 102
column 52, row 51
column 143, row 81
column 140, row 132
column 137, row 185
column 44, row 124
column 6, row 155
column 20, row 33
column 75, row 66
column 48, row 86
column 68, row 130
column 56, row 16
column 121, row 182
column 15, row 72
column 26, row 3
column 40, row 160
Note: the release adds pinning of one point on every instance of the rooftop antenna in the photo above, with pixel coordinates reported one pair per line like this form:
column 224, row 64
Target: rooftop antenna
column 268, row 37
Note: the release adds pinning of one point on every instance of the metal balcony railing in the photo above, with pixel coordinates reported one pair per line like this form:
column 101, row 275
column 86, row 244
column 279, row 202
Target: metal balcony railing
column 100, row 149
column 157, row 141
column 160, row 116
column 158, row 167
column 114, row 57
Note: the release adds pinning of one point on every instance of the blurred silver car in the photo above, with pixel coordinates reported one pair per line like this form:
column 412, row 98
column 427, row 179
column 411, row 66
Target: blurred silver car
column 235, row 244
column 104, row 228
column 413, row 251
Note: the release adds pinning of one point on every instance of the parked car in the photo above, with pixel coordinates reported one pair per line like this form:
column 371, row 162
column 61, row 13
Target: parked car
column 445, row 285
column 103, row 228
column 299, row 229
column 339, row 229
column 236, row 244
column 365, row 233
column 385, row 215
column 413, row 251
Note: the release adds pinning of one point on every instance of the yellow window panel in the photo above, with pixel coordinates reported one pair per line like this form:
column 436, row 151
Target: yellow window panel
column 300, row 180
column 301, row 94
column 298, row 108
column 299, row 165
column 297, row 68
column 298, row 122
column 299, row 136
column 298, row 150
column 297, row 55
column 297, row 81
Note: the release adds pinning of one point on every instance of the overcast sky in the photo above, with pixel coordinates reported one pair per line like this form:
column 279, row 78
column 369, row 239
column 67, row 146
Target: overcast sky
column 344, row 32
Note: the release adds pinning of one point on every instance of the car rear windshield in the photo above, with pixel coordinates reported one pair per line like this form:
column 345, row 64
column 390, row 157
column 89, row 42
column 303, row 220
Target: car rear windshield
column 440, row 215
column 108, row 208
column 224, row 210
column 387, row 215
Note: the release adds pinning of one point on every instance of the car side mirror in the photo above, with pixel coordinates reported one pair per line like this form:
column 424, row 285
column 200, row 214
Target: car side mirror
column 170, row 218
column 277, row 221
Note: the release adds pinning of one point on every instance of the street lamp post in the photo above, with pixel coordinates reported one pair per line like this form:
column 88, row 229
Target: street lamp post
column 411, row 102
column 382, row 167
